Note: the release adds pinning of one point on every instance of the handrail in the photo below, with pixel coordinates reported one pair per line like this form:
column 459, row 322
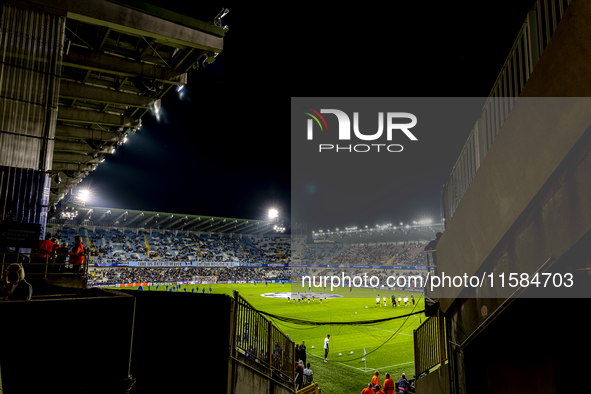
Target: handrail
column 258, row 339
column 48, row 256
column 532, row 38
column 430, row 346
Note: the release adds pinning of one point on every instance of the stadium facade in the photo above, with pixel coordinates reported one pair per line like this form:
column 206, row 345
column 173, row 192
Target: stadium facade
column 516, row 206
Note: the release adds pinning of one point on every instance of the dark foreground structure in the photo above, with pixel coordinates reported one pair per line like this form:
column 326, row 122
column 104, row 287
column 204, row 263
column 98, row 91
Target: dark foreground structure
column 103, row 341
column 77, row 78
column 517, row 202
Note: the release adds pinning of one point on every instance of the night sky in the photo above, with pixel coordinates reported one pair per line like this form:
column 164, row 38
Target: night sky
column 223, row 148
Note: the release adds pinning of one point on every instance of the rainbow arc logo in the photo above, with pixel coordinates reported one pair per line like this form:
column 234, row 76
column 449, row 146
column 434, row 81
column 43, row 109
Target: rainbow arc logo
column 316, row 119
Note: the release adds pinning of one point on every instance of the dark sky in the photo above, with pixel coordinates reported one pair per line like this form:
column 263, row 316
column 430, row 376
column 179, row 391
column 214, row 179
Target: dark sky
column 223, row 149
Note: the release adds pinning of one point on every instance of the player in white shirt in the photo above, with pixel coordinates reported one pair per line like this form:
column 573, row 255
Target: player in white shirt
column 378, row 301
column 406, row 301
column 326, row 348
column 399, row 300
column 384, row 300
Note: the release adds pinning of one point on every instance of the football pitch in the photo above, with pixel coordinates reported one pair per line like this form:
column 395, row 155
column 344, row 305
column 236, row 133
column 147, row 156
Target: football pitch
column 388, row 345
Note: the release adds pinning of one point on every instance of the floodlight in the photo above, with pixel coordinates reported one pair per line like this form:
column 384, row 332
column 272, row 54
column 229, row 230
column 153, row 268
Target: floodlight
column 273, row 214
column 83, row 194
column 180, row 88
column 125, row 139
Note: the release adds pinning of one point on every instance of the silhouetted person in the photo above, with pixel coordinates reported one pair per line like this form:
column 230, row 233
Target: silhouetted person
column 432, row 246
column 77, row 255
column 62, row 254
column 15, row 286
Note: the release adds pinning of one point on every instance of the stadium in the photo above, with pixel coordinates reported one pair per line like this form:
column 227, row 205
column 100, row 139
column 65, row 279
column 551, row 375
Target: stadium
column 153, row 239
column 264, row 269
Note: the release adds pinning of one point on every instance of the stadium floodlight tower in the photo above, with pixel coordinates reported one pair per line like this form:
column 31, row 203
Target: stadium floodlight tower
column 273, row 214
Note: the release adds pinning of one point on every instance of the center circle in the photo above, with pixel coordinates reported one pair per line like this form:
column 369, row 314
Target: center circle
column 293, row 295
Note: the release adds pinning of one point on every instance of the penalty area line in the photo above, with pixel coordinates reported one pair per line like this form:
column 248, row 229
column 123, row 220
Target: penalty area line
column 395, row 365
column 338, row 362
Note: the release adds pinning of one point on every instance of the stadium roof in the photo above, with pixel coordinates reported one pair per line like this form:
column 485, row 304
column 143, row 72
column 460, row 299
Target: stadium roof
column 113, row 217
column 383, row 234
column 119, row 60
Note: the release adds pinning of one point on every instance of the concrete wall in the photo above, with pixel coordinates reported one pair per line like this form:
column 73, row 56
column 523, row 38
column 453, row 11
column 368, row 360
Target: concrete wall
column 249, row 381
column 434, row 383
column 527, row 205
column 180, row 341
column 67, row 341
column 529, row 150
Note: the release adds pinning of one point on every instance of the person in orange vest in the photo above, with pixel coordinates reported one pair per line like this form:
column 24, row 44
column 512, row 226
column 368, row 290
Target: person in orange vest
column 375, row 380
column 377, row 389
column 389, row 386
column 368, row 389
column 77, row 255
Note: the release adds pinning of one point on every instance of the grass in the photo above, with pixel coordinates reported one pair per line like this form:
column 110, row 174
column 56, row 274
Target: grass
column 389, row 345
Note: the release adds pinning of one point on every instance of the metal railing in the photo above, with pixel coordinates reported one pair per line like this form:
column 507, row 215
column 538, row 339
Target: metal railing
column 40, row 264
column 430, row 345
column 534, row 35
column 311, row 389
column 258, row 339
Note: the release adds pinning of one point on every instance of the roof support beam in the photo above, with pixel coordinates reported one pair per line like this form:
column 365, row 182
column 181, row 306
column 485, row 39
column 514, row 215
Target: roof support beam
column 76, row 91
column 78, row 147
column 74, row 158
column 155, row 224
column 63, row 167
column 93, row 117
column 80, row 133
column 99, row 61
column 266, row 227
column 233, row 223
column 190, row 222
column 169, row 225
column 134, row 219
column 193, row 228
column 137, row 23
column 144, row 222
column 113, row 221
column 217, row 225
column 247, row 228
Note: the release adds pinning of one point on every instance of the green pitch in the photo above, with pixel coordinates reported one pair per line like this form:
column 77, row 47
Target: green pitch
column 389, row 345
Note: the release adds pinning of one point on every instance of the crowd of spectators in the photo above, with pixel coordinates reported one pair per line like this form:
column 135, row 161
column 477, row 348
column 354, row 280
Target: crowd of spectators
column 109, row 275
column 117, row 246
column 385, row 254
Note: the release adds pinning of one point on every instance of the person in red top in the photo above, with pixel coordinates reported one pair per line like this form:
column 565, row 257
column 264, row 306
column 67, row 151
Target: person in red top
column 375, row 380
column 77, row 255
column 377, row 389
column 389, row 385
column 368, row 389
column 44, row 254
